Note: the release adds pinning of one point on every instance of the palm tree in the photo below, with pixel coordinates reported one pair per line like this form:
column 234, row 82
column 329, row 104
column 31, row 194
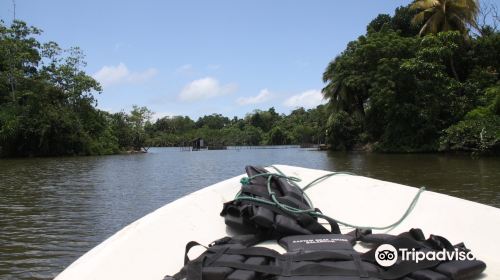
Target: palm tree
column 340, row 97
column 446, row 15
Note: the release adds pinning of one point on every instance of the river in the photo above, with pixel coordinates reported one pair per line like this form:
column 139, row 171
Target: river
column 52, row 210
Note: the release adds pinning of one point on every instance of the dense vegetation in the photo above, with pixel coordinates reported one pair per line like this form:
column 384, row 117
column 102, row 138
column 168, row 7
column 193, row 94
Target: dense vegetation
column 257, row 128
column 424, row 79
column 417, row 82
column 47, row 104
column 48, row 108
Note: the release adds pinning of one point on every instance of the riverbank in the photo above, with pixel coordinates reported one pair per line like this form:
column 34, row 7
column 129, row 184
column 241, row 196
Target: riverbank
column 363, row 149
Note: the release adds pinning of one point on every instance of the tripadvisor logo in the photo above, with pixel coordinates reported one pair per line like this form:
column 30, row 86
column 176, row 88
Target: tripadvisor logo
column 386, row 255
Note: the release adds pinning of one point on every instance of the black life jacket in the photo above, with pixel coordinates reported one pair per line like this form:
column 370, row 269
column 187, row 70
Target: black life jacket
column 268, row 221
column 313, row 252
column 325, row 256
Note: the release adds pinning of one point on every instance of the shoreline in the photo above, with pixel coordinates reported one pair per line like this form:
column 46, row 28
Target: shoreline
column 366, row 149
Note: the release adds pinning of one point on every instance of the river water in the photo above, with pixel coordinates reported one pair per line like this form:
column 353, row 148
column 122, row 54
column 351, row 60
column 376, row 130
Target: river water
column 52, row 210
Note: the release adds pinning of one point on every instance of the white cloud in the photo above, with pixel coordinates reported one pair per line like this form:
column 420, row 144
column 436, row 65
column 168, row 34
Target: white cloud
column 111, row 75
column 205, row 88
column 263, row 96
column 307, row 99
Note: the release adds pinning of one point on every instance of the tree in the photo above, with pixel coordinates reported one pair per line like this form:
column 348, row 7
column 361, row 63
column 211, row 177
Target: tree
column 46, row 99
column 343, row 131
column 138, row 118
column 401, row 22
column 174, row 124
column 479, row 131
column 19, row 56
column 350, row 76
column 121, row 128
column 446, row 15
column 213, row 121
column 252, row 135
column 277, row 136
column 302, row 134
column 397, row 91
column 381, row 21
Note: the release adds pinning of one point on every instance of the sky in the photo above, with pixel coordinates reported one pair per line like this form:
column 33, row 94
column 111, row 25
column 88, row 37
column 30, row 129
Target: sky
column 194, row 58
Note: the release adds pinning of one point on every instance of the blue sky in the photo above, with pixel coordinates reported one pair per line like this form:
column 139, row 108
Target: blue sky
column 201, row 57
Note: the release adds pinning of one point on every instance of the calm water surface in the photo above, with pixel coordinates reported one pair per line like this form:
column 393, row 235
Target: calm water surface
column 52, row 210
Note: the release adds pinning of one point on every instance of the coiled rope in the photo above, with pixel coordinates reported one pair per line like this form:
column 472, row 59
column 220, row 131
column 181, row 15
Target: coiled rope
column 312, row 211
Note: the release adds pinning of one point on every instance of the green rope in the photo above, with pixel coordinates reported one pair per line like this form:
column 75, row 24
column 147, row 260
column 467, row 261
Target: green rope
column 308, row 200
column 312, row 211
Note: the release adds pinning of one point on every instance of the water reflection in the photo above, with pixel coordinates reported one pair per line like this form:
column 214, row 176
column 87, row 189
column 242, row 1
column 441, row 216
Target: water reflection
column 52, row 210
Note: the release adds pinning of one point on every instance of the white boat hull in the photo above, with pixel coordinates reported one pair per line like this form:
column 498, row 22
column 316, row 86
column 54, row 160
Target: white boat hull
column 153, row 246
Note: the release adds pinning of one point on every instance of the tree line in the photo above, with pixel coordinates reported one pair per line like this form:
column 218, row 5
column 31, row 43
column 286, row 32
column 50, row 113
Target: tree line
column 257, row 128
column 47, row 102
column 48, row 108
column 425, row 79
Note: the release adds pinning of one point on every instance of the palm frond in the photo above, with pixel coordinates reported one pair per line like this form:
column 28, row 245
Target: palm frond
column 445, row 15
column 436, row 21
column 418, row 18
column 424, row 4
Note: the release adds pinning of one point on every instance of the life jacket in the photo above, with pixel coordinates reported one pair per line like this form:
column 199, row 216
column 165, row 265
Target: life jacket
column 313, row 252
column 268, row 221
column 326, row 256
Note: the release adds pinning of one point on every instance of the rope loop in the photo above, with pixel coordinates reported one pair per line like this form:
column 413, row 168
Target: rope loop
column 314, row 212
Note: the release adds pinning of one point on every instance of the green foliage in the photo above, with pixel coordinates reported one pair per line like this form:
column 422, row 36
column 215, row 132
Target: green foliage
column 214, row 121
column 446, row 15
column 47, row 104
column 343, row 131
column 401, row 22
column 277, row 136
column 477, row 134
column 401, row 92
column 381, row 21
column 137, row 120
column 251, row 135
column 302, row 134
column 264, row 120
column 46, row 99
column 389, row 88
column 260, row 127
column 480, row 129
column 174, row 125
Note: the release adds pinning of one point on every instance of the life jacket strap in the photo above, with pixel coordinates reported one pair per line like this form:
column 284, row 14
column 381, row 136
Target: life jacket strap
column 229, row 258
